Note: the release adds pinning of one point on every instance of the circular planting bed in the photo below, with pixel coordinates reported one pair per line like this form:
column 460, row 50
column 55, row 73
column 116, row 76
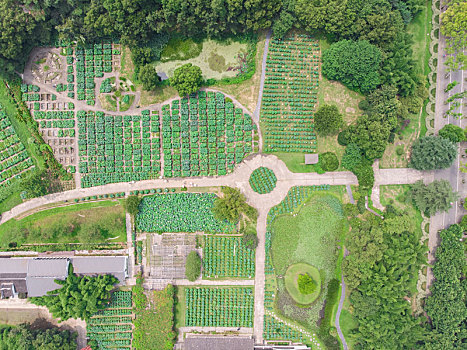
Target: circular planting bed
column 292, row 276
column 263, row 180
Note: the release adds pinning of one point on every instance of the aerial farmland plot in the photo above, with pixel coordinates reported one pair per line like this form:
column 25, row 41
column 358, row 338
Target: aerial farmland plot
column 219, row 176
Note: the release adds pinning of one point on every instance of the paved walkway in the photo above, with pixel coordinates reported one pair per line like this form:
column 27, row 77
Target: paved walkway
column 338, row 314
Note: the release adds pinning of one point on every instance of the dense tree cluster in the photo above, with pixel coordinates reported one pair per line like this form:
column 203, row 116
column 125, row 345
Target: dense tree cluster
column 131, row 204
column 79, row 296
column 24, row 338
column 453, row 133
column 384, row 256
column 354, row 63
column 454, row 27
column 447, row 304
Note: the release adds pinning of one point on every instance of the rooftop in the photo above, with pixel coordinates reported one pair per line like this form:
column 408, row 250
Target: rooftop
column 219, row 343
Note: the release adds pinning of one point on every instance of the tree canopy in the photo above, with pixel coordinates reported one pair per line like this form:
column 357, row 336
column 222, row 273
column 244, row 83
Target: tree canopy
column 186, row 79
column 454, row 27
column 432, row 152
column 79, row 296
column 25, row 338
column 328, row 120
column 433, row 198
column 354, row 63
column 232, row 205
column 131, row 204
column 453, row 133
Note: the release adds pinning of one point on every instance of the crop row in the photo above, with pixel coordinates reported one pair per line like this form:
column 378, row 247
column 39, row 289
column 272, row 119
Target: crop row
column 263, row 180
column 227, row 257
column 290, row 95
column 219, row 307
column 14, row 159
column 204, row 135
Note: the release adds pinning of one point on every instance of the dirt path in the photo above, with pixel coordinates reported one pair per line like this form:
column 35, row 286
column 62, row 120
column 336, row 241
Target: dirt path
column 263, row 77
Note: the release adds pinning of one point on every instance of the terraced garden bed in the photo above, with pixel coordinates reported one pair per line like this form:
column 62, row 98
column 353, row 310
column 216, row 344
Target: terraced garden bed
column 219, row 307
column 14, row 159
column 180, row 212
column 290, row 95
column 227, row 257
column 118, row 148
column 112, row 327
column 204, row 135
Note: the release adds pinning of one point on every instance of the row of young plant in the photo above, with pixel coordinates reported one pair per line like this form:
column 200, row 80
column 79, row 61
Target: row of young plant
column 111, row 328
column 263, row 180
column 204, row 135
column 118, row 148
column 92, row 62
column 227, row 257
column 290, row 95
column 14, row 159
column 219, row 307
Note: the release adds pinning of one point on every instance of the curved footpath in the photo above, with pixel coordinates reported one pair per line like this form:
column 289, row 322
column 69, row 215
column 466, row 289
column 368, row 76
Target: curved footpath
column 338, row 314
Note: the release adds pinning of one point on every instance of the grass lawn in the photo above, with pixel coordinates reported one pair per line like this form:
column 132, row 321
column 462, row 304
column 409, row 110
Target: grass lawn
column 180, row 307
column 347, row 323
column 126, row 106
column 419, row 28
column 107, row 102
column 310, row 235
column 80, row 223
column 295, row 162
column 291, row 282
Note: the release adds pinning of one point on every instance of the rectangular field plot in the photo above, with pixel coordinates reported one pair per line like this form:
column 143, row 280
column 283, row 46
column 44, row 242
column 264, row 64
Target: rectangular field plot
column 180, row 212
column 14, row 159
column 168, row 254
column 118, row 148
column 277, row 330
column 227, row 257
column 112, row 327
column 290, row 94
column 219, row 307
column 204, row 135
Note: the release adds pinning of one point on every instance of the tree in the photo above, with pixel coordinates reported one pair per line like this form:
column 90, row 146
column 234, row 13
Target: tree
column 328, row 161
column 186, row 79
column 306, row 284
column 148, row 77
column 328, row 120
column 23, row 337
column 352, row 156
column 354, row 63
column 250, row 240
column 193, row 266
column 131, row 204
column 432, row 152
column 79, row 296
column 433, row 198
column 232, row 205
column 453, row 133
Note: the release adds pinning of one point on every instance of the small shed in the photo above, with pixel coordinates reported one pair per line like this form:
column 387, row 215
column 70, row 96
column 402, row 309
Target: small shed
column 311, row 158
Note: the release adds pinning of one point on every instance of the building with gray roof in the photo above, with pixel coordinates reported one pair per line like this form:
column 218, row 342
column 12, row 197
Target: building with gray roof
column 219, row 343
column 36, row 276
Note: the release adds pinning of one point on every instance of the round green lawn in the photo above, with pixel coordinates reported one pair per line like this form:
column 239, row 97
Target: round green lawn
column 291, row 284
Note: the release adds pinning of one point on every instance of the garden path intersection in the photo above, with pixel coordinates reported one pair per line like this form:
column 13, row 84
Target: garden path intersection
column 239, row 178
